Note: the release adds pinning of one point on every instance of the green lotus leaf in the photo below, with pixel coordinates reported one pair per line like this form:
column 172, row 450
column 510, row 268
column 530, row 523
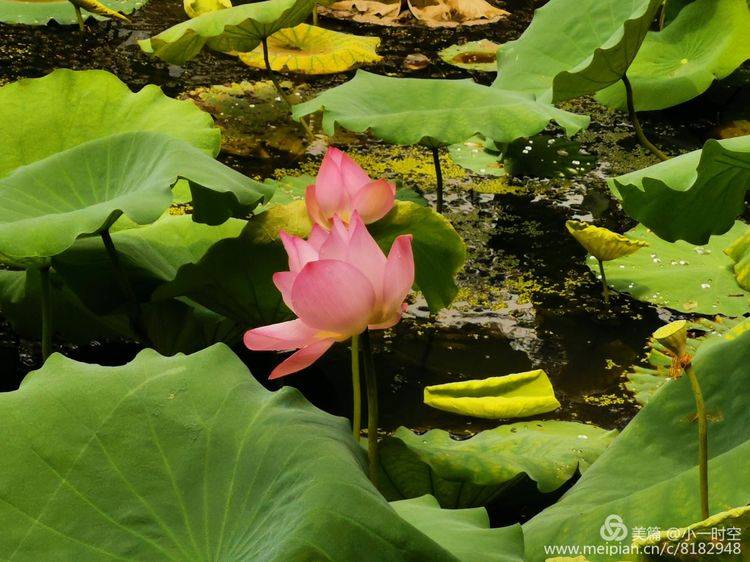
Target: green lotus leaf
column 41, row 12
column 234, row 277
column 519, row 395
column 159, row 461
column 690, row 197
column 465, row 533
column 233, row 30
column 433, row 112
column 479, row 156
column 737, row 519
column 309, row 49
column 474, row 55
column 681, row 276
column 649, row 475
column 73, row 107
column 47, row 205
column 739, row 253
column 475, row 471
column 151, row 256
column 707, row 41
column 575, row 47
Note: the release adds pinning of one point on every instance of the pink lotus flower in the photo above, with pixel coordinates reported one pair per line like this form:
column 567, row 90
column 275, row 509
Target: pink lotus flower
column 342, row 187
column 339, row 283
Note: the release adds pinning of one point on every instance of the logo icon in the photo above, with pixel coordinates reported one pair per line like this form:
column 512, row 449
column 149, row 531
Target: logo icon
column 613, row 529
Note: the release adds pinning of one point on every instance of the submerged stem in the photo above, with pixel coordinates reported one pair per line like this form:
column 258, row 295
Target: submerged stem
column 372, row 408
column 605, row 287
column 637, row 124
column 133, row 308
column 439, row 176
column 356, row 390
column 46, row 301
column 279, row 90
column 702, row 441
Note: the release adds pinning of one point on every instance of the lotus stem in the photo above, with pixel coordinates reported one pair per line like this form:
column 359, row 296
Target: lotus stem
column 133, row 308
column 372, row 408
column 663, row 15
column 315, row 14
column 637, row 124
column 356, row 390
column 79, row 17
column 46, row 301
column 439, row 178
column 702, row 440
column 282, row 94
column 605, row 287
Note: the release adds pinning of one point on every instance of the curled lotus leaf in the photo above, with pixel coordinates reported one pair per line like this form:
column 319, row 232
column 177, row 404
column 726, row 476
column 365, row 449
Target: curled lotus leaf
column 366, row 11
column 474, row 55
column 452, row 13
column 654, row 460
column 518, row 395
column 47, row 205
column 159, row 461
column 594, row 43
column 739, row 253
column 602, row 243
column 489, row 465
column 41, row 12
column 234, row 30
column 465, row 533
column 708, row 40
column 690, row 197
column 73, row 107
column 309, row 49
column 681, row 276
column 433, row 112
column 195, row 8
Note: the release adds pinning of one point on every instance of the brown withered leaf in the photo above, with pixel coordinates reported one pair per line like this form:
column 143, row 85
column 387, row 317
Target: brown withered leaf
column 451, row 13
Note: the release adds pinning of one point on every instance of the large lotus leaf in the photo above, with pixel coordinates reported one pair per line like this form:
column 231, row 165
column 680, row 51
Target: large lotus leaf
column 465, row 533
column 645, row 381
column 185, row 458
column 433, row 112
column 41, row 12
column 649, row 475
column 310, row 49
column 150, row 255
column 234, row 278
column 473, row 472
column 42, row 116
column 47, row 205
column 707, row 41
column 519, row 395
column 678, row 275
column 692, row 196
column 238, row 29
column 575, row 47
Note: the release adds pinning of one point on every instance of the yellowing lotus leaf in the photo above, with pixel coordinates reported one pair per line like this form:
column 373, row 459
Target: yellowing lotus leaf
column 512, row 396
column 474, row 55
column 602, row 243
column 195, row 8
column 451, row 13
column 309, row 49
column 739, row 252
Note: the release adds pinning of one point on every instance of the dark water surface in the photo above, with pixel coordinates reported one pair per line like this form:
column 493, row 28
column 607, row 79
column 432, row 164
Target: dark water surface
column 527, row 300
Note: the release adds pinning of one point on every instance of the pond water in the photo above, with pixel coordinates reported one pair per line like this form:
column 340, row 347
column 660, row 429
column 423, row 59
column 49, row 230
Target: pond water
column 527, row 300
